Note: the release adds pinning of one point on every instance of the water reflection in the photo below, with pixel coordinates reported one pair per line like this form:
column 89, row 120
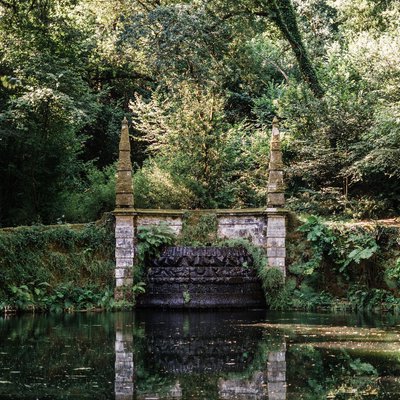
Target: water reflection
column 69, row 356
column 124, row 366
column 276, row 374
column 203, row 355
column 271, row 382
column 239, row 355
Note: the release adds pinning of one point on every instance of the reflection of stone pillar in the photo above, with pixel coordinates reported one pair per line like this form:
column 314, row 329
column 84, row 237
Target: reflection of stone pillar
column 242, row 389
column 124, row 368
column 124, row 215
column 276, row 226
column 276, row 374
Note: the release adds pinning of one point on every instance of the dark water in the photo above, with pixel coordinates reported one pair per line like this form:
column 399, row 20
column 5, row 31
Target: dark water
column 200, row 355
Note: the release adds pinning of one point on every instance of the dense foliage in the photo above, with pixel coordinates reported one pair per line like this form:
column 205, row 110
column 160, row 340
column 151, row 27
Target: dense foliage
column 331, row 266
column 342, row 266
column 56, row 267
column 201, row 82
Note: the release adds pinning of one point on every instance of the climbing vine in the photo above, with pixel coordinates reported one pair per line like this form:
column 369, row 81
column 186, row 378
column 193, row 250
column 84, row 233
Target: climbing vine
column 198, row 229
column 150, row 241
column 285, row 18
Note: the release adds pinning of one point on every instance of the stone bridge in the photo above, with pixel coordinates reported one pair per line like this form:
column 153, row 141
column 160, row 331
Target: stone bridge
column 264, row 227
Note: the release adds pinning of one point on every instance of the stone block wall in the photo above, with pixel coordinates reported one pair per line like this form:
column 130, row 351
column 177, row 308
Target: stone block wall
column 276, row 239
column 248, row 224
column 124, row 249
column 173, row 219
column 264, row 228
column 251, row 225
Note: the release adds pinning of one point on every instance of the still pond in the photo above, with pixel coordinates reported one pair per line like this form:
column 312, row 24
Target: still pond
column 154, row 354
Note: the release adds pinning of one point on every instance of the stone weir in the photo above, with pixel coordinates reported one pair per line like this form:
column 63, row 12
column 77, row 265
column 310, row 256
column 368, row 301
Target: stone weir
column 199, row 277
column 208, row 277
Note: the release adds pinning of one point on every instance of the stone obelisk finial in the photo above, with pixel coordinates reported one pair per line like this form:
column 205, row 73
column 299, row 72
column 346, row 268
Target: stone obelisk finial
column 124, row 187
column 275, row 192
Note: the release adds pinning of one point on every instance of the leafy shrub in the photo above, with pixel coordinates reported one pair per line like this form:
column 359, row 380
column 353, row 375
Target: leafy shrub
column 40, row 266
column 281, row 299
column 321, row 239
column 157, row 188
column 342, row 246
column 150, row 241
column 272, row 279
column 198, row 229
column 93, row 196
column 393, row 273
column 64, row 297
column 327, row 202
column 367, row 299
column 344, row 260
column 356, row 246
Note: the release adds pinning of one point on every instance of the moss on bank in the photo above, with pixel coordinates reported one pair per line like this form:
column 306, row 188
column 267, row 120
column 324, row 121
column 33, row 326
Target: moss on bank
column 60, row 267
column 330, row 266
column 342, row 266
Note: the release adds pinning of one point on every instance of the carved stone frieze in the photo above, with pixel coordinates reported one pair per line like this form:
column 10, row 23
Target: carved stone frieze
column 196, row 277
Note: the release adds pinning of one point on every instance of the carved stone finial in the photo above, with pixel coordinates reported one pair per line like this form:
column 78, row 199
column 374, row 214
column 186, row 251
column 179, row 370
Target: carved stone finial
column 124, row 187
column 275, row 192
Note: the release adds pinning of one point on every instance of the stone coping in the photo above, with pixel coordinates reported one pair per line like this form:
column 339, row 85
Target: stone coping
column 181, row 213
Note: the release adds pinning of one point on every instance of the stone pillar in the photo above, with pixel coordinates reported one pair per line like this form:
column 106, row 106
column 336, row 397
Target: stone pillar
column 124, row 366
column 276, row 225
column 124, row 216
column 124, row 188
column 276, row 374
column 276, row 189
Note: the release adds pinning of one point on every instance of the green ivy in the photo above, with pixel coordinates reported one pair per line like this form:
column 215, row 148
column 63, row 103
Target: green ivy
column 150, row 241
column 271, row 279
column 198, row 229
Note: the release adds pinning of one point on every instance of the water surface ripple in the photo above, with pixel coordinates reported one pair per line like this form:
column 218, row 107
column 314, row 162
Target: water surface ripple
column 210, row 355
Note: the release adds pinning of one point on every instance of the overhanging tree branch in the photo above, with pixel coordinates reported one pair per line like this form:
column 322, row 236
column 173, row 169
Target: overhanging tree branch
column 281, row 12
column 284, row 17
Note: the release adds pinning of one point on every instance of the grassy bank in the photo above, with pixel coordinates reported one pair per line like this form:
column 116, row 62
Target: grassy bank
column 331, row 266
column 55, row 268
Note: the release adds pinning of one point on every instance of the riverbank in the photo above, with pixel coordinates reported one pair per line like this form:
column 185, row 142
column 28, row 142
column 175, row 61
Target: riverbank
column 331, row 266
column 342, row 265
column 57, row 268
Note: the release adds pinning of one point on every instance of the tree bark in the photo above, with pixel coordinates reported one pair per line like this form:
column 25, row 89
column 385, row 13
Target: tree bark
column 284, row 16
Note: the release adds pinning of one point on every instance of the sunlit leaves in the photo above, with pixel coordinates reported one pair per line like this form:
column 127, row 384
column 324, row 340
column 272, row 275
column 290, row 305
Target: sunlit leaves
column 220, row 164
